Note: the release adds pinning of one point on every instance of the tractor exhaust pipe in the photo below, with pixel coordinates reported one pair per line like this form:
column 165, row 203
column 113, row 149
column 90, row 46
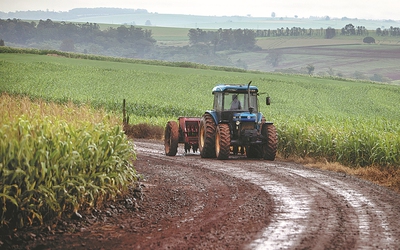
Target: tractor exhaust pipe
column 248, row 98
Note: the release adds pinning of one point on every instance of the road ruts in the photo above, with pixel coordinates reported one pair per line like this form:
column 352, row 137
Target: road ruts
column 312, row 208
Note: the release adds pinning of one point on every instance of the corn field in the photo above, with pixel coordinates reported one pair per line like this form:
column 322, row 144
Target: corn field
column 52, row 163
column 350, row 141
column 352, row 122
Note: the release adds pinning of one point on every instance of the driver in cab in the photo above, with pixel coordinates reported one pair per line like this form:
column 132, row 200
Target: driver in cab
column 235, row 105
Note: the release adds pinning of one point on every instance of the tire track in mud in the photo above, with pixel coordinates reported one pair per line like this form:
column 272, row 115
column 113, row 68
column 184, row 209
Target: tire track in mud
column 313, row 208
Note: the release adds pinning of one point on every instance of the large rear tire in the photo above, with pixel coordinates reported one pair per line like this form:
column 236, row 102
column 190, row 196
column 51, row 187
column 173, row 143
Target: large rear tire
column 222, row 141
column 271, row 145
column 207, row 136
column 171, row 138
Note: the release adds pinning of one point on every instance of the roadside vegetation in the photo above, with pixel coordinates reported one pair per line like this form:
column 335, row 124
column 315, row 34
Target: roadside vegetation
column 329, row 119
column 57, row 159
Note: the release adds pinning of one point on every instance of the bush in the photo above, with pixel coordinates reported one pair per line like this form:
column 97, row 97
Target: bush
column 144, row 130
column 369, row 40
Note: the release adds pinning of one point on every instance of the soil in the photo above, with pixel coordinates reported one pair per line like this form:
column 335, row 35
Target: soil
column 187, row 202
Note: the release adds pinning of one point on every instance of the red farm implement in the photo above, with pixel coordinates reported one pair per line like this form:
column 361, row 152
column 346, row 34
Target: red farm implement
column 185, row 131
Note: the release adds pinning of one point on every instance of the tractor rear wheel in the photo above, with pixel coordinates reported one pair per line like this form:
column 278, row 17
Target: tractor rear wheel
column 222, row 141
column 271, row 145
column 207, row 136
column 171, row 138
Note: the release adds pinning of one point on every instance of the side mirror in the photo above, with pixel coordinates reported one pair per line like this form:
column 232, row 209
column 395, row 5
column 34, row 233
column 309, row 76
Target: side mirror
column 268, row 100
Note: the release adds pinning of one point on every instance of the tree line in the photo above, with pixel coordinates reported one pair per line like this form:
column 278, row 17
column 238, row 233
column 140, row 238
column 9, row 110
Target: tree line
column 224, row 39
column 392, row 31
column 141, row 41
column 23, row 32
column 348, row 30
column 123, row 41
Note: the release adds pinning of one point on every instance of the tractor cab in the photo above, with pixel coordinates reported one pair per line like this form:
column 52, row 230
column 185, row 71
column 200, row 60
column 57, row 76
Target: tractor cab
column 234, row 103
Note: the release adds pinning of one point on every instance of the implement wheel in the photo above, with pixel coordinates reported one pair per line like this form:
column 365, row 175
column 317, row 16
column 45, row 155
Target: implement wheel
column 207, row 136
column 271, row 144
column 222, row 142
column 171, row 138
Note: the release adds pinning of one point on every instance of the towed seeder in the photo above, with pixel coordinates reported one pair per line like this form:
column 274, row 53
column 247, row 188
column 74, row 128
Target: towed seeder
column 185, row 131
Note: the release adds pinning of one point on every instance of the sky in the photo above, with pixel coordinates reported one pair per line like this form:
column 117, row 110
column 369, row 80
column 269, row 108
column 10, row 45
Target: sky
column 361, row 9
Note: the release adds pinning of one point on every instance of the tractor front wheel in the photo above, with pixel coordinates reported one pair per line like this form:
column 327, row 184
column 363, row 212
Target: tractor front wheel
column 222, row 142
column 207, row 136
column 171, row 138
column 271, row 144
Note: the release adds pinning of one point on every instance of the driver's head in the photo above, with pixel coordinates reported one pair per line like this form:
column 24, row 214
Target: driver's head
column 234, row 97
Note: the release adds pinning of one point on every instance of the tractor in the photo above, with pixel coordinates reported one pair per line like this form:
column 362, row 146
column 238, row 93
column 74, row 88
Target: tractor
column 234, row 126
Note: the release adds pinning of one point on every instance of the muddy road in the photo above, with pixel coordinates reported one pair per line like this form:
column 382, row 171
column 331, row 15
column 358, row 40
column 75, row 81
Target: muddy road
column 187, row 202
column 307, row 208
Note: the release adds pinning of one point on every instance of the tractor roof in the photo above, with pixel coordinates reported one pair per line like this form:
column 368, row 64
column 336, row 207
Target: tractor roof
column 232, row 88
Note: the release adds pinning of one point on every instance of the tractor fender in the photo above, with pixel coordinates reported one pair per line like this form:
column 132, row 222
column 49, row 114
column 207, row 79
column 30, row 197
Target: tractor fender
column 214, row 115
column 261, row 119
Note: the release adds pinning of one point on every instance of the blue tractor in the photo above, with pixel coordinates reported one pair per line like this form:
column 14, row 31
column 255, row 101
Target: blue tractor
column 234, row 126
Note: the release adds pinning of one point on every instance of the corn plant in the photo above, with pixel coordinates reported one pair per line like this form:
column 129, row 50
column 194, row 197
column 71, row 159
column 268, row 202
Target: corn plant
column 352, row 142
column 49, row 166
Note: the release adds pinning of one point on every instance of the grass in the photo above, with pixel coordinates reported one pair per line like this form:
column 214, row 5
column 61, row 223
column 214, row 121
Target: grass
column 386, row 177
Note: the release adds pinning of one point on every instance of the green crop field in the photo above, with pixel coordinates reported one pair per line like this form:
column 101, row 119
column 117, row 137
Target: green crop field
column 58, row 158
column 352, row 122
column 81, row 158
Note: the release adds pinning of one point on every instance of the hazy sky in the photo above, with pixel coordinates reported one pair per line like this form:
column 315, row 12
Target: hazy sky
column 362, row 9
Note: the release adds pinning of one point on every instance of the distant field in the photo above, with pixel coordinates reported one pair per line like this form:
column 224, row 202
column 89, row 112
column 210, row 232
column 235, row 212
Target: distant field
column 356, row 123
column 327, row 56
column 344, row 56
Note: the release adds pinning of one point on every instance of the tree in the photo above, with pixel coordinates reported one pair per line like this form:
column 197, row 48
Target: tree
column 359, row 75
column 349, row 30
column 310, row 69
column 377, row 78
column 274, row 57
column 147, row 23
column 2, row 42
column 197, row 36
column 330, row 71
column 67, row 45
column 379, row 31
column 330, row 33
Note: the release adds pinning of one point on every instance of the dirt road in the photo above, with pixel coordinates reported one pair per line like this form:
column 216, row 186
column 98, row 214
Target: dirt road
column 194, row 203
column 308, row 208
